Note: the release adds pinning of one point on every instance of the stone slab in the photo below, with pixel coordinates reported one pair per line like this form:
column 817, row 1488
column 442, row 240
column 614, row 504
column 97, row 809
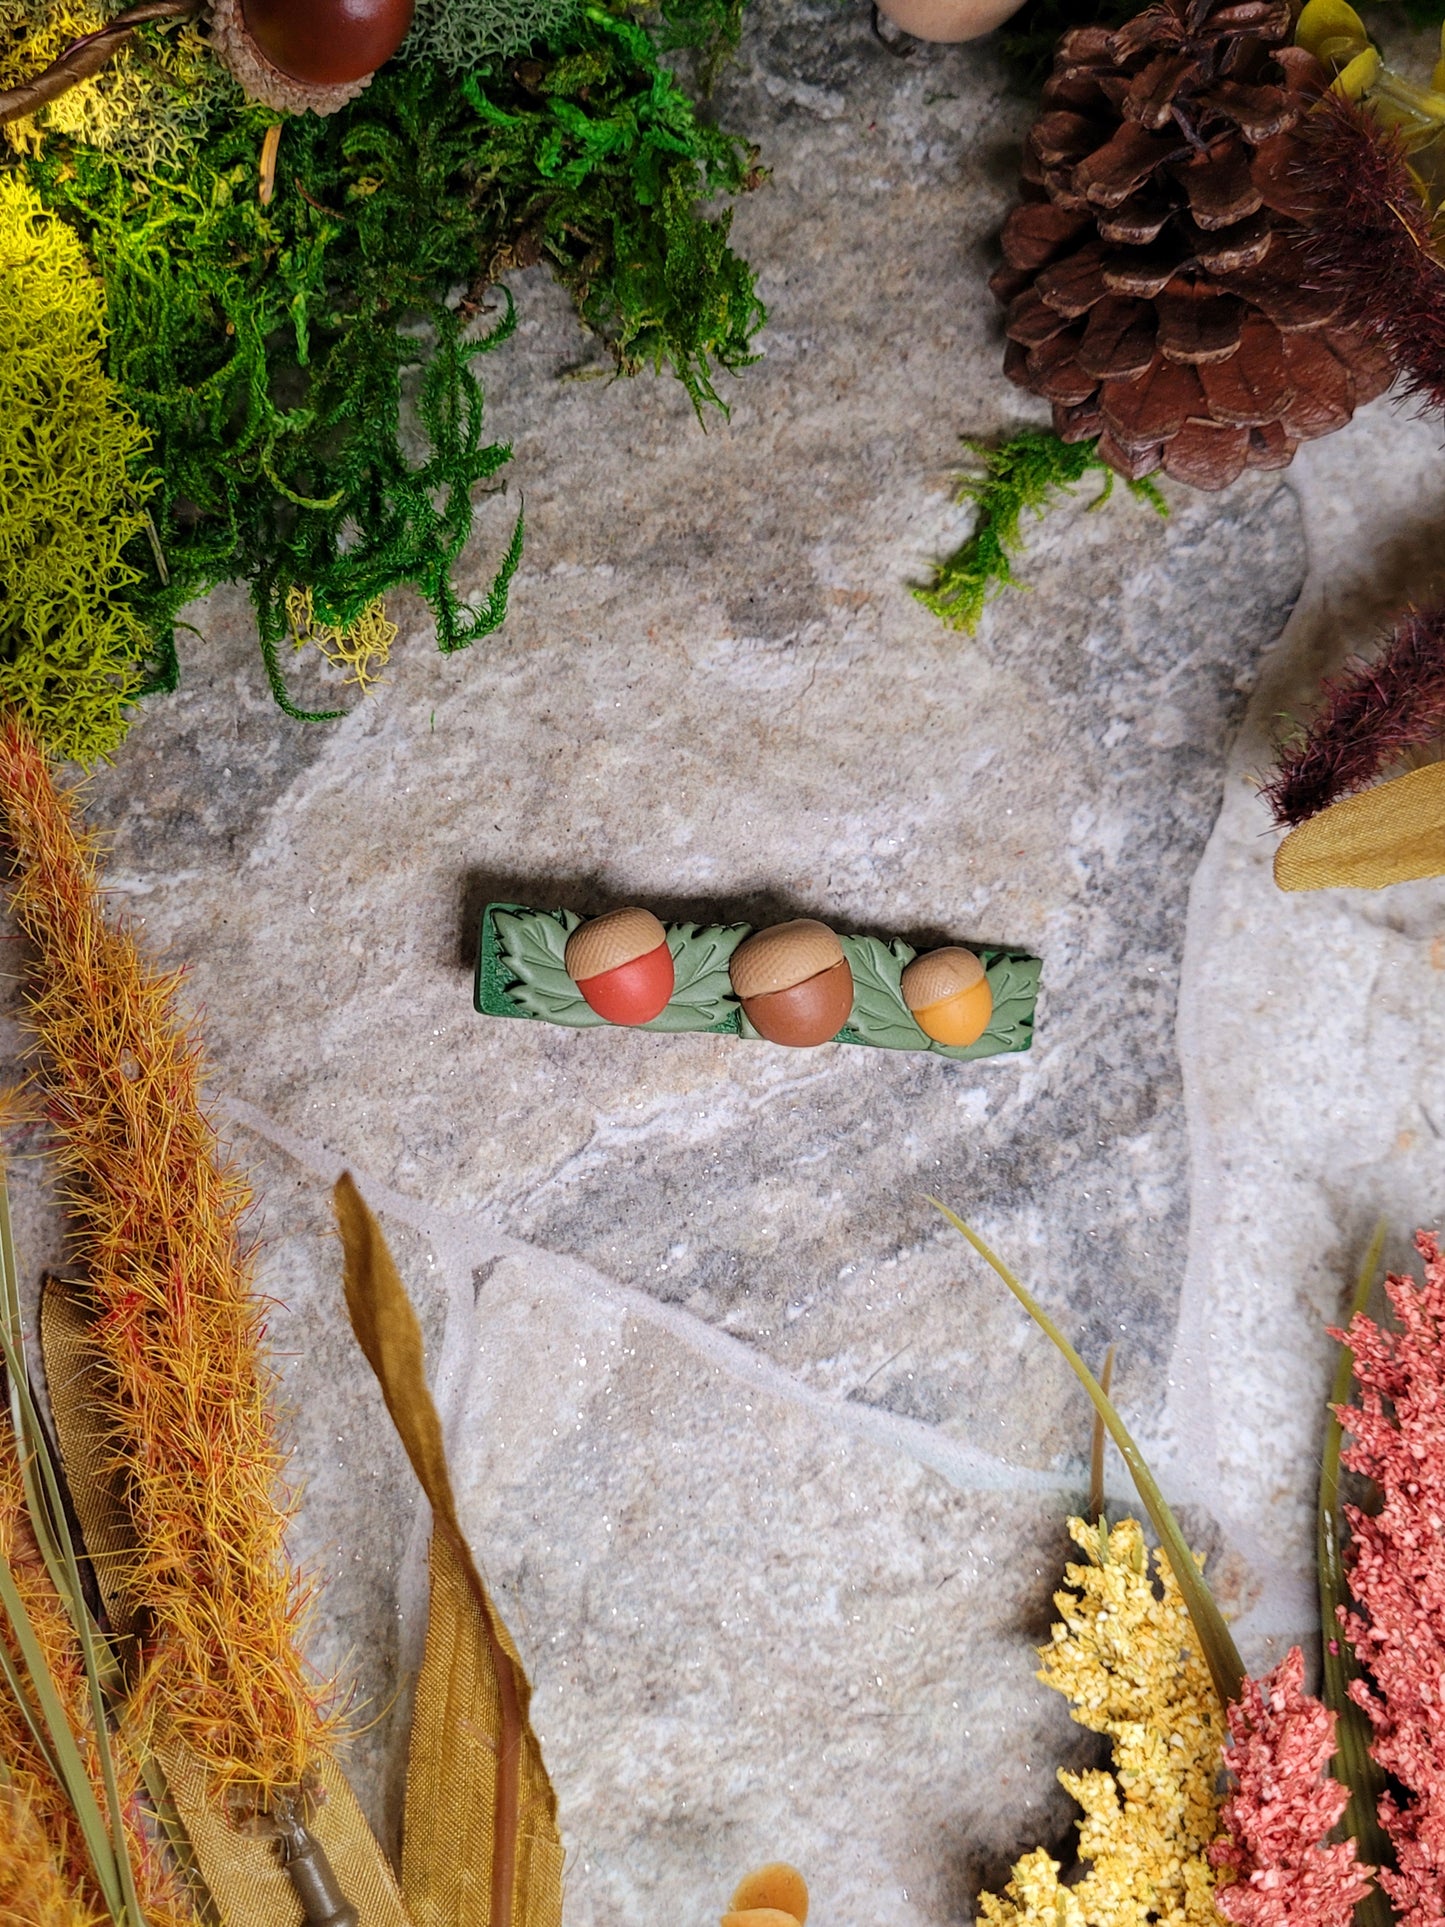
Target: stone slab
column 768, row 1474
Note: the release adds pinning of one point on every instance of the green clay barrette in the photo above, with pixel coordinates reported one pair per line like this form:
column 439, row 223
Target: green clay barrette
column 794, row 983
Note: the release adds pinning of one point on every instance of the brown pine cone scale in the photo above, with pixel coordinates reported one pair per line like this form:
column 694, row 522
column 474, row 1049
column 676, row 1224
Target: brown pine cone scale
column 1153, row 274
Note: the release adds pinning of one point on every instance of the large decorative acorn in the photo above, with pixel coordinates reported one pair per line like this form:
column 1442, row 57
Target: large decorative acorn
column 300, row 54
column 949, row 996
column 771, row 1896
column 622, row 965
column 793, row 982
column 948, row 20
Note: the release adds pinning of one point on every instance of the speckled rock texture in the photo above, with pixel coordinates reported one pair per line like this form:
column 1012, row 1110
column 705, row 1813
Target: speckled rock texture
column 768, row 1473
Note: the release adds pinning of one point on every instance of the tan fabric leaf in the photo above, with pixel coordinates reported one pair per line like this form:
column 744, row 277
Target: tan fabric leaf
column 1390, row 834
column 480, row 1840
column 244, row 1873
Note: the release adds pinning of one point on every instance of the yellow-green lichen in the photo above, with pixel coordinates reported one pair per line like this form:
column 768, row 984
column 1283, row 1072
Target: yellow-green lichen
column 147, row 106
column 70, row 501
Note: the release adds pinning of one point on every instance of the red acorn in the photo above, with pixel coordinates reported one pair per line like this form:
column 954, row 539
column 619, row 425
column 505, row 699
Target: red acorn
column 622, row 965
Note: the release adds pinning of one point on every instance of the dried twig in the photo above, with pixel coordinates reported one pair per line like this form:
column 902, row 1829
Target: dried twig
column 84, row 58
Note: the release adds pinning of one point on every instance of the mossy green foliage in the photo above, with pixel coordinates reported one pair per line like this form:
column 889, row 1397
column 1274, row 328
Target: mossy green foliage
column 709, row 28
column 73, row 481
column 597, row 159
column 269, row 349
column 147, row 104
column 1019, row 476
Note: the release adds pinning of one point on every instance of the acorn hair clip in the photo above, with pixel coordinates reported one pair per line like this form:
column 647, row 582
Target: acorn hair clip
column 796, row 984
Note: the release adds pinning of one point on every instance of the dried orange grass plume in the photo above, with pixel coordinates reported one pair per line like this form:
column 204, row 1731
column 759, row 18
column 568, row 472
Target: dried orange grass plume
column 45, row 1875
column 178, row 1330
column 34, row 1891
column 42, row 1856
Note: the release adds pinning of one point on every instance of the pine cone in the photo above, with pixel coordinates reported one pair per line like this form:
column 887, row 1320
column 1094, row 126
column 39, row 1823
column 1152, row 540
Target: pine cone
column 1154, row 275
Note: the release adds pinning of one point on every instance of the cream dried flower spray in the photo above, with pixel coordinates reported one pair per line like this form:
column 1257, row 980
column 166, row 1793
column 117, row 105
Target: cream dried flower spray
column 1127, row 1658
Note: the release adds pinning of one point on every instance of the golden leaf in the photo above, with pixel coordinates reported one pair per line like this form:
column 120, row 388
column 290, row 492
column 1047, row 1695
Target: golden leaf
column 1390, row 834
column 480, row 1841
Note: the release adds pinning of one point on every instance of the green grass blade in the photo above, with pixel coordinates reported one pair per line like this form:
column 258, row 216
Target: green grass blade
column 1352, row 1765
column 46, row 1505
column 64, row 1751
column 1226, row 1668
column 15, row 1680
column 1096, row 1449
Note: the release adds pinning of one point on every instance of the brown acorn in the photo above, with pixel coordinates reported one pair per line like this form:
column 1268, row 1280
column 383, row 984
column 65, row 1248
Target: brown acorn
column 793, row 982
column 296, row 55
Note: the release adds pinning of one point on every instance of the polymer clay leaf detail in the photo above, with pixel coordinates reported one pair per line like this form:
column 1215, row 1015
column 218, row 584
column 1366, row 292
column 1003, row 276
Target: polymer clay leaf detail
column 1014, row 982
column 532, row 948
column 879, row 1015
column 702, row 994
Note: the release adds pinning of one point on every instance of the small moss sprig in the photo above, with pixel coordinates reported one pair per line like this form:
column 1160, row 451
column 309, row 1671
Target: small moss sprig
column 1019, row 475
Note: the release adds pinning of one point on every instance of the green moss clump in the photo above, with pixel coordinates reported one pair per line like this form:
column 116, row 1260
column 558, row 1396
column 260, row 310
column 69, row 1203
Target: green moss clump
column 73, row 483
column 599, row 159
column 270, row 349
column 1020, row 475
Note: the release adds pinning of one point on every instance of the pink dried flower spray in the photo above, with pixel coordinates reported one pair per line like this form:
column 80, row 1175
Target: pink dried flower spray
column 1396, row 1567
column 1282, row 1807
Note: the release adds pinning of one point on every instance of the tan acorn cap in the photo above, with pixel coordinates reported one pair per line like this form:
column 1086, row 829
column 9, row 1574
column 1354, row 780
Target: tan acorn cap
column 784, row 955
column 616, row 938
column 939, row 974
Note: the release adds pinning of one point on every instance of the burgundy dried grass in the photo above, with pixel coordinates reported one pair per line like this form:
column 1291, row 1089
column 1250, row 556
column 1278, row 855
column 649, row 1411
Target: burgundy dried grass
column 1376, row 248
column 1371, row 718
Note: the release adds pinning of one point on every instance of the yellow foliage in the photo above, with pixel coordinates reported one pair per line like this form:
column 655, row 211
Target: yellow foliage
column 1128, row 1660
column 362, row 649
column 70, row 454
column 147, row 106
column 34, row 1892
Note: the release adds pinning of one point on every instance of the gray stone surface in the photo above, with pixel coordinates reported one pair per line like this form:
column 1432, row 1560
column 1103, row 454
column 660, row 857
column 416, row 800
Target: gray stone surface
column 768, row 1473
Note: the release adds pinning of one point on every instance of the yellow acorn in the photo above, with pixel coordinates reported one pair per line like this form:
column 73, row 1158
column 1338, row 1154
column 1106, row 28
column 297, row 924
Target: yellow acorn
column 947, row 992
column 771, row 1896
